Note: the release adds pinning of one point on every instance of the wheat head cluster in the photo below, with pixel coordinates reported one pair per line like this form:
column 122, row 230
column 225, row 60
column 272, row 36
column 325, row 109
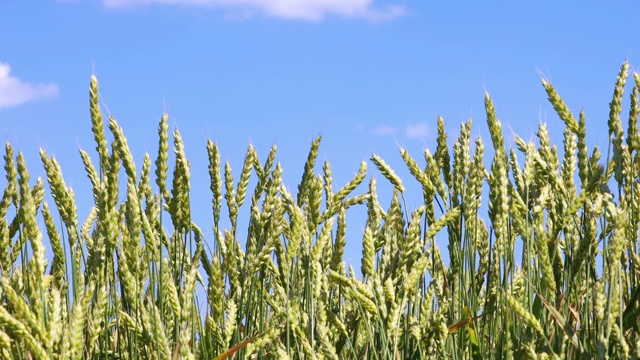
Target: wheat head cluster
column 546, row 267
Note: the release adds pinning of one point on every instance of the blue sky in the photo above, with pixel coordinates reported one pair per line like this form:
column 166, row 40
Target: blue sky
column 369, row 75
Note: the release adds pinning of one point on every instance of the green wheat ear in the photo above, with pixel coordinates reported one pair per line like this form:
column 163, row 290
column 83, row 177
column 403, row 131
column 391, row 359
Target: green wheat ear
column 308, row 175
column 388, row 172
column 560, row 107
column 98, row 124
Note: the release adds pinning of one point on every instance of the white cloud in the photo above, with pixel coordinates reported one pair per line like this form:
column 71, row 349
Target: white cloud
column 418, row 130
column 410, row 130
column 14, row 92
column 384, row 130
column 312, row 10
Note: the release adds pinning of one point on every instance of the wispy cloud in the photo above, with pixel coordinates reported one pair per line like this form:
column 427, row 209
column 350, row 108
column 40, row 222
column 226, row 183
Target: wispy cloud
column 418, row 130
column 311, row 10
column 384, row 130
column 14, row 92
column 410, row 130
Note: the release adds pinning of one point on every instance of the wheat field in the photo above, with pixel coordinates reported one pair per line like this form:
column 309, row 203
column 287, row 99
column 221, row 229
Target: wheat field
column 126, row 281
